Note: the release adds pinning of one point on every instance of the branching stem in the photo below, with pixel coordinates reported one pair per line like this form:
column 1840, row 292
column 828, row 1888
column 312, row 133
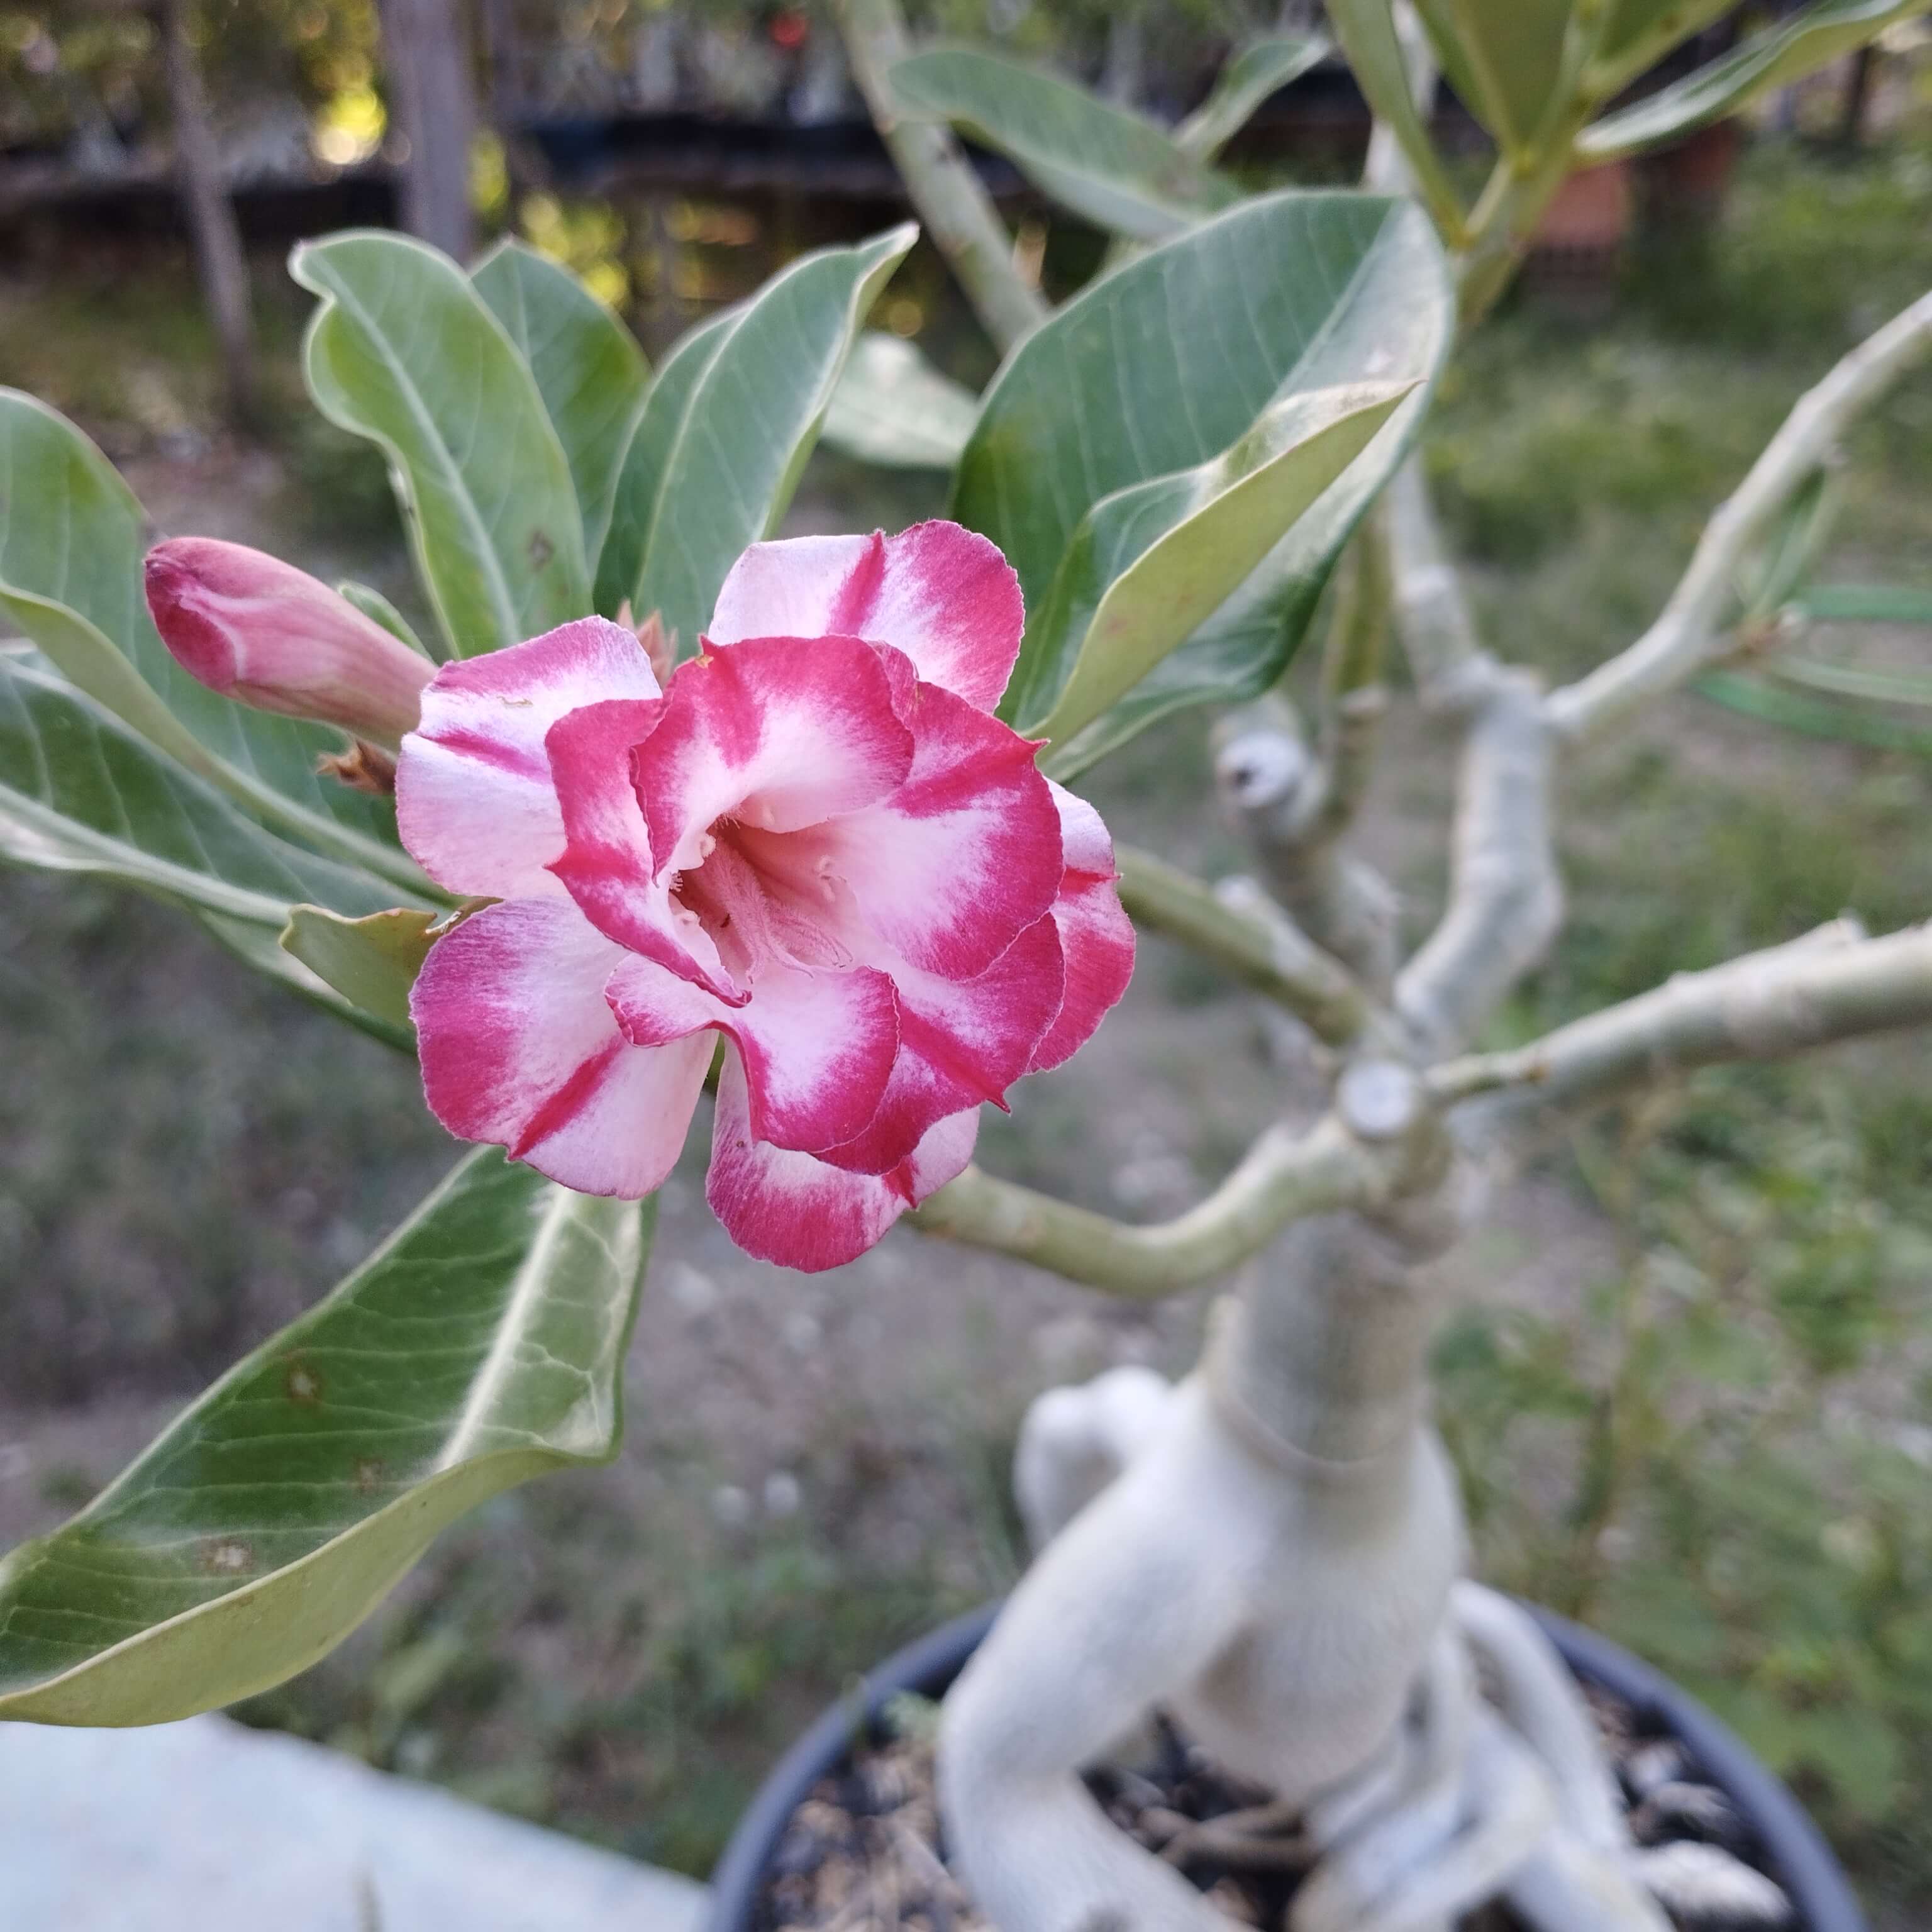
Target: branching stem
column 957, row 213
column 1270, row 955
column 1688, row 635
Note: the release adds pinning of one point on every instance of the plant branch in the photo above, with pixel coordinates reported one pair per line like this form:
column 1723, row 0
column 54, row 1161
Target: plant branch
column 1505, row 896
column 1279, row 795
column 1268, row 953
column 958, row 212
column 1284, row 1177
column 1687, row 637
column 1832, row 984
column 1446, row 657
column 1355, row 699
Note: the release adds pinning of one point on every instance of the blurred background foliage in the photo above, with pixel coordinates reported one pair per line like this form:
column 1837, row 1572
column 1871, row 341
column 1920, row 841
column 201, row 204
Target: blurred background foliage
column 1701, row 1420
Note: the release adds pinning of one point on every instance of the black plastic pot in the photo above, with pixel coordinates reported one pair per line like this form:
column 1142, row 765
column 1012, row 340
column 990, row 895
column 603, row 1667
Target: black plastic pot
column 1799, row 1856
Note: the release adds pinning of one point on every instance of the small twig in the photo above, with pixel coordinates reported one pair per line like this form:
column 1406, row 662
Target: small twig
column 1688, row 635
column 1262, row 1838
column 1239, row 931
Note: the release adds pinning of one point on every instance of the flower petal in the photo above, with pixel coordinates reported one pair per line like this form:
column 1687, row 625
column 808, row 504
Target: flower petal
column 474, row 800
column 778, row 732
column 960, row 1043
column 817, row 1047
column 942, row 594
column 519, row 1047
column 965, row 855
column 605, row 864
column 1097, row 938
column 789, row 1208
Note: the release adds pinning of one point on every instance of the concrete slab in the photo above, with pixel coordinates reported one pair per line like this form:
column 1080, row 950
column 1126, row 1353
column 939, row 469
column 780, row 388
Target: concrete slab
column 206, row 1826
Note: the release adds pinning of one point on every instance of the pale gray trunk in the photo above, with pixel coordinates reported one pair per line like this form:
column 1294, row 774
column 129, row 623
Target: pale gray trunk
column 427, row 45
column 219, row 261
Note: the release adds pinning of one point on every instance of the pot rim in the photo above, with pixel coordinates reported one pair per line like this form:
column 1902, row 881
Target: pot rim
column 1801, row 1860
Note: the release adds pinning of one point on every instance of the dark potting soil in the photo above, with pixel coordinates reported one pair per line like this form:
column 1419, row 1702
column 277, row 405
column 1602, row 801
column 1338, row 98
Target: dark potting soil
column 865, row 1853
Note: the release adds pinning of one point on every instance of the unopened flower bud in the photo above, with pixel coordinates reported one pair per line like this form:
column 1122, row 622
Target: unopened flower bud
column 259, row 631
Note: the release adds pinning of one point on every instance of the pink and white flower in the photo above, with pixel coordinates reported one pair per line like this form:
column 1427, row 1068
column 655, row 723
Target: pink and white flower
column 816, row 842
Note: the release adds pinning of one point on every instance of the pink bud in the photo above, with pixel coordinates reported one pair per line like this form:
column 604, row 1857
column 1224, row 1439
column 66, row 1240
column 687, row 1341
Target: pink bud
column 259, row 631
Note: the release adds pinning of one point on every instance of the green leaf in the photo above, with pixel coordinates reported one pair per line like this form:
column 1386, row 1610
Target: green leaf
column 1866, row 603
column 1505, row 58
column 728, row 426
column 1150, row 565
column 1367, row 34
column 589, row 369
column 379, row 610
column 480, row 1346
column 72, row 540
column 1250, row 78
column 1639, row 33
column 80, row 792
column 621, row 562
column 1117, row 168
column 372, row 962
column 255, row 946
column 1875, row 687
column 1165, row 365
column 1808, row 41
column 1812, row 717
column 893, row 408
column 403, row 350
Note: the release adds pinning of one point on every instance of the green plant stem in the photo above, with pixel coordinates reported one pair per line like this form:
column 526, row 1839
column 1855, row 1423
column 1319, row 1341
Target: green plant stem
column 1689, row 634
column 1271, row 957
column 1283, row 1177
column 958, row 212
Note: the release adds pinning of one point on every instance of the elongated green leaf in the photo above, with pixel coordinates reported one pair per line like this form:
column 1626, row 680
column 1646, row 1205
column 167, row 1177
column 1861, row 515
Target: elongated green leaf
column 1639, row 33
column 1250, row 79
column 80, row 792
column 1866, row 603
column 379, row 610
column 72, row 539
column 893, row 408
column 621, row 563
column 403, row 350
column 372, row 962
column 589, row 369
column 1808, row 41
column 1167, row 363
column 1877, row 687
column 480, row 1346
column 1764, row 582
column 254, row 945
column 1151, row 564
column 1115, row 168
column 1505, row 58
column 1812, row 717
column 1366, row 31
column 729, row 423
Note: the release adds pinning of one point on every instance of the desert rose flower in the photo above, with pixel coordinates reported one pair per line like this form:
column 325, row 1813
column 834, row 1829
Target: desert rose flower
column 254, row 629
column 816, row 841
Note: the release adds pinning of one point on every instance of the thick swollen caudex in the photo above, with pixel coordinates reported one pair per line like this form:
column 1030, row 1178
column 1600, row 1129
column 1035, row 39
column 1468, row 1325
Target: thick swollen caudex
column 259, row 631
column 815, row 840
